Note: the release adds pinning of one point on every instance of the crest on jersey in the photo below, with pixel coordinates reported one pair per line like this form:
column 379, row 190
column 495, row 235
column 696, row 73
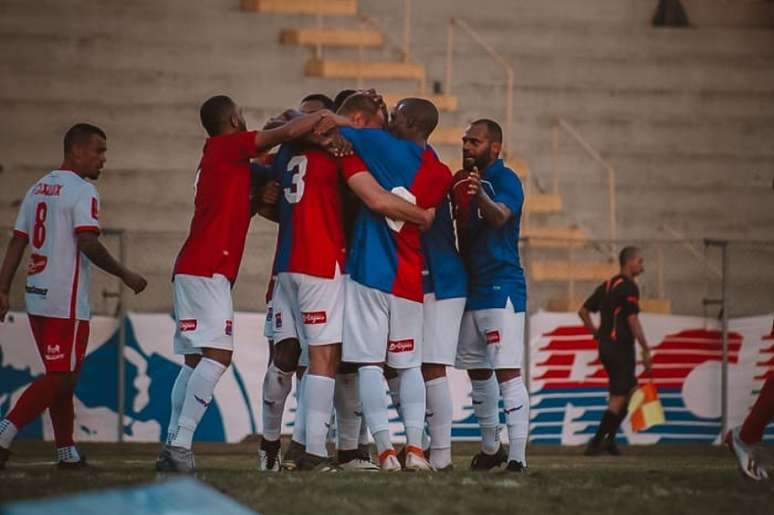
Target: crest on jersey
column 36, row 264
column 229, row 327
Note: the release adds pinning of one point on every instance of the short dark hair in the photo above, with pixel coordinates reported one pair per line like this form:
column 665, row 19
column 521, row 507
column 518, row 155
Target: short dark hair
column 422, row 113
column 215, row 112
column 493, row 129
column 79, row 134
column 325, row 100
column 343, row 95
column 627, row 253
column 359, row 102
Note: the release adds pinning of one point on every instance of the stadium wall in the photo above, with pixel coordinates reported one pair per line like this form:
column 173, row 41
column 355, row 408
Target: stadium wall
column 568, row 384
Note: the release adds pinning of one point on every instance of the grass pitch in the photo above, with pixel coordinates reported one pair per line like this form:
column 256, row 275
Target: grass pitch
column 660, row 480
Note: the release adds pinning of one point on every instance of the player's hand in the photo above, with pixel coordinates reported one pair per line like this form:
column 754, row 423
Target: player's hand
column 5, row 304
column 330, row 121
column 270, row 193
column 474, row 182
column 134, row 281
column 429, row 219
column 279, row 121
column 647, row 361
column 337, row 145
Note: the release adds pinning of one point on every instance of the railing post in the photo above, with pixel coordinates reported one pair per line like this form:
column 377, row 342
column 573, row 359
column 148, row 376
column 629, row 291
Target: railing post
column 571, row 274
column 555, row 134
column 406, row 31
column 121, row 365
column 724, row 335
column 508, row 113
column 449, row 57
column 660, row 271
column 612, row 209
column 318, row 51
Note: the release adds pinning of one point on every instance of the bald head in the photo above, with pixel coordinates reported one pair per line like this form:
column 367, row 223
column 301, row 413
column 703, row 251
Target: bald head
column 414, row 118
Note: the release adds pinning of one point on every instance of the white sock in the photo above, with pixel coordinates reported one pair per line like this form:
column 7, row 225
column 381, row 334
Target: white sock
column 68, row 454
column 363, row 438
column 177, row 398
column 198, row 396
column 7, row 433
column 516, row 407
column 486, row 397
column 371, row 389
column 393, row 384
column 318, row 398
column 347, row 404
column 439, row 420
column 276, row 388
column 299, row 424
column 412, row 403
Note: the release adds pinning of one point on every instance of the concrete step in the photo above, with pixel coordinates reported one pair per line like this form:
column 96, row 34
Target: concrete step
column 310, row 7
column 554, row 237
column 368, row 70
column 563, row 271
column 444, row 103
column 331, row 37
column 543, row 203
column 647, row 305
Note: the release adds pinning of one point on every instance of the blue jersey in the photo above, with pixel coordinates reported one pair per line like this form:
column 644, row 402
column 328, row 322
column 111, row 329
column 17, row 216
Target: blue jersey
column 491, row 255
column 444, row 273
column 386, row 254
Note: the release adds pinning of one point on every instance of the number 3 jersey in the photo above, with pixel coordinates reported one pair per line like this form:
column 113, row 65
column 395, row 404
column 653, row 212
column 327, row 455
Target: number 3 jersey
column 311, row 236
column 54, row 211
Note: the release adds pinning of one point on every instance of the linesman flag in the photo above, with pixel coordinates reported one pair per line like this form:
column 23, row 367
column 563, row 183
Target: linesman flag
column 645, row 408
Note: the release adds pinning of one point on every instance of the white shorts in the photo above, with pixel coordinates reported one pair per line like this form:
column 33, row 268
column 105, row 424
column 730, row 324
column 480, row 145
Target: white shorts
column 379, row 328
column 442, row 319
column 309, row 308
column 491, row 339
column 204, row 313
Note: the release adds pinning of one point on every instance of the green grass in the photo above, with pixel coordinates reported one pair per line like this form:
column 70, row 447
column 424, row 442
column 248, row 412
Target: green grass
column 660, row 480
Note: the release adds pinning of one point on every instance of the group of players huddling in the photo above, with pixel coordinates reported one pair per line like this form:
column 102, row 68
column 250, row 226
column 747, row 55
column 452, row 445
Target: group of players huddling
column 370, row 280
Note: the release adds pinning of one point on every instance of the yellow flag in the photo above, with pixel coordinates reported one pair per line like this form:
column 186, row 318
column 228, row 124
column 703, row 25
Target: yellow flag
column 645, row 408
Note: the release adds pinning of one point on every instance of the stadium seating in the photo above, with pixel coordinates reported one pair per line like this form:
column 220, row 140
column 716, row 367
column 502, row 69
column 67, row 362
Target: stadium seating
column 686, row 116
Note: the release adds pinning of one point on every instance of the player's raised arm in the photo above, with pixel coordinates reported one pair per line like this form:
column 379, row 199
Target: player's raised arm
column 13, row 256
column 89, row 244
column 494, row 213
column 388, row 204
column 320, row 122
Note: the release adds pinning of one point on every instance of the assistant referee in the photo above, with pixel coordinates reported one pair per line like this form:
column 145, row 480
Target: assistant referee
column 617, row 301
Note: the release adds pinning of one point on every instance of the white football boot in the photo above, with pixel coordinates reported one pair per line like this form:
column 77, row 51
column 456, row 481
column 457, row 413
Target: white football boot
column 744, row 456
column 416, row 461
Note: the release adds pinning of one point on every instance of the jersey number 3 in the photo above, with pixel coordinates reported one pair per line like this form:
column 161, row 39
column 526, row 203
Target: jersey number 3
column 297, row 171
column 39, row 229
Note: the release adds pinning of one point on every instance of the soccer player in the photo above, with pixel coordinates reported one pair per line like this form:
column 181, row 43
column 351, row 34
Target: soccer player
column 740, row 439
column 488, row 200
column 617, row 301
column 383, row 318
column 208, row 263
column 59, row 219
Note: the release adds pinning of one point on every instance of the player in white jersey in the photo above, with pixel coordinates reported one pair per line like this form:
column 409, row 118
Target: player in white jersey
column 59, row 219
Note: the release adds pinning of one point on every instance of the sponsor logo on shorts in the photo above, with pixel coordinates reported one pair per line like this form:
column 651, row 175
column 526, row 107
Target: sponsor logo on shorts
column 229, row 327
column 493, row 336
column 36, row 264
column 400, row 345
column 278, row 320
column 315, row 317
column 32, row 290
column 188, row 325
column 54, row 352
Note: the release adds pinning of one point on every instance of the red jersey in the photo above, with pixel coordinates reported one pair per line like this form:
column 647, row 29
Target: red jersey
column 221, row 217
column 311, row 237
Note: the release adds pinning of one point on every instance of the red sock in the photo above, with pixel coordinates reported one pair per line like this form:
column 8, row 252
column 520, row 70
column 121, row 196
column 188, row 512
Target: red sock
column 62, row 418
column 36, row 398
column 761, row 414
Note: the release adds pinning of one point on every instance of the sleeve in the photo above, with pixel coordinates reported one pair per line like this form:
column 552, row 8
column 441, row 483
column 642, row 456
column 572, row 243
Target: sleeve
column 352, row 165
column 630, row 303
column 432, row 187
column 594, row 302
column 22, row 226
column 86, row 211
column 260, row 174
column 509, row 192
column 239, row 147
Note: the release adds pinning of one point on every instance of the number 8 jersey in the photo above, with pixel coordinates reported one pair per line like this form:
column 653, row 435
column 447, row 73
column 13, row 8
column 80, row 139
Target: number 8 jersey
column 54, row 211
column 311, row 236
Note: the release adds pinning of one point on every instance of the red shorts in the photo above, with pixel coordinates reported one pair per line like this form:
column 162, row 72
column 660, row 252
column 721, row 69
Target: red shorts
column 61, row 342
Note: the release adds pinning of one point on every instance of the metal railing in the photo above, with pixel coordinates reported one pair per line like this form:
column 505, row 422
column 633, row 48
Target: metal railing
column 505, row 66
column 562, row 125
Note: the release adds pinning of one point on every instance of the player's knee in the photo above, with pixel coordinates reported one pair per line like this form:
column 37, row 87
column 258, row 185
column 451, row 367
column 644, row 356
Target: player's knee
column 286, row 354
column 506, row 374
column 65, row 380
column 222, row 356
column 479, row 374
column 191, row 360
column 348, row 368
column 432, row 371
column 389, row 372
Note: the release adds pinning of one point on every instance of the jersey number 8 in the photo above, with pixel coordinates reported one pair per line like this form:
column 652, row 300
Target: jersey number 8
column 39, row 229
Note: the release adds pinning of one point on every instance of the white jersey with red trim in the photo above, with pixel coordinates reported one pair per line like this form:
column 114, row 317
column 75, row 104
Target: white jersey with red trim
column 54, row 210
